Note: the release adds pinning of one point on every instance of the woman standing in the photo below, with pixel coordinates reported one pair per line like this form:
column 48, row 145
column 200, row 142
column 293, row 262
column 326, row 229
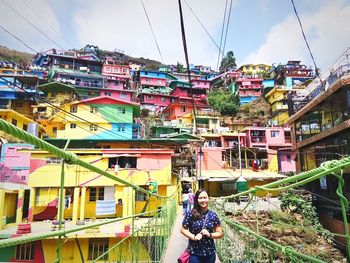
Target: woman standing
column 201, row 226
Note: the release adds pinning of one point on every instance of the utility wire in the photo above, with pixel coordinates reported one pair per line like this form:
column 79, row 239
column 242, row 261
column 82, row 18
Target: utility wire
column 306, row 42
column 150, row 25
column 30, row 23
column 219, row 48
column 67, row 112
column 46, row 23
column 222, row 34
column 187, row 64
column 18, row 39
column 227, row 25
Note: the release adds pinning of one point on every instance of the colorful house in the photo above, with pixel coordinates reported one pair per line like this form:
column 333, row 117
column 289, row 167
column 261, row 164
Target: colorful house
column 321, row 132
column 184, row 92
column 278, row 99
column 254, row 69
column 109, row 118
column 155, row 102
column 248, row 89
column 153, row 79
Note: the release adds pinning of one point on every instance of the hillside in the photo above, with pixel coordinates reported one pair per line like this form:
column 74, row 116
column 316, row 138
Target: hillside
column 26, row 58
column 15, row 56
column 257, row 111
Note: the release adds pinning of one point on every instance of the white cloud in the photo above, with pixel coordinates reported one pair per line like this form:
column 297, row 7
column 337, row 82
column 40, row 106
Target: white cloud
column 40, row 14
column 123, row 25
column 326, row 29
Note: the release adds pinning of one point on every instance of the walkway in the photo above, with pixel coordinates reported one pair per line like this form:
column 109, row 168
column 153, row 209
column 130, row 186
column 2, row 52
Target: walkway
column 177, row 242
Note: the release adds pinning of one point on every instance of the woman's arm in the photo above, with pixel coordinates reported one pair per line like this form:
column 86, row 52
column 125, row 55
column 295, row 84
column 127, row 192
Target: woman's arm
column 190, row 235
column 217, row 232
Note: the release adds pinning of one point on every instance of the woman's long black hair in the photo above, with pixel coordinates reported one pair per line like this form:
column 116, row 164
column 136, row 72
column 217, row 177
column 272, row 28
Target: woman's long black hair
column 196, row 211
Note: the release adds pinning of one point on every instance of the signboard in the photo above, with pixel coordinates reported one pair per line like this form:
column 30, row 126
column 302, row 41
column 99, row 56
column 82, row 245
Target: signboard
column 153, row 187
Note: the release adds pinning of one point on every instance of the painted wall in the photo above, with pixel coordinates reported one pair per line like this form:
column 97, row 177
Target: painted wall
column 118, row 94
column 286, row 161
column 156, row 99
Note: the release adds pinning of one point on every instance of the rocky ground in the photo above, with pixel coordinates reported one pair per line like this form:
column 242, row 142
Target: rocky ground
column 290, row 230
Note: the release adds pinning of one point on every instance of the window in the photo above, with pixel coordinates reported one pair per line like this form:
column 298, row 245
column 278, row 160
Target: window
column 149, row 97
column 97, row 193
column 97, row 247
column 183, row 108
column 148, row 79
column 14, row 122
column 72, row 126
column 108, row 94
column 288, row 158
column 25, row 251
column 123, row 162
column 121, row 127
column 115, row 70
column 140, row 196
column 125, row 70
column 275, row 134
column 159, row 81
column 121, row 110
column 73, row 109
column 54, row 129
column 122, row 96
column 93, row 127
column 163, row 99
column 93, row 109
column 108, row 69
column 25, row 127
column 23, row 177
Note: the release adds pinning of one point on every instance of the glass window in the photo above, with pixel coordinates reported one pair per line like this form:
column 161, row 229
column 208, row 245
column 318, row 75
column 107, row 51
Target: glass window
column 73, row 126
column 108, row 69
column 93, row 109
column 14, row 122
column 93, row 127
column 73, row 109
column 275, row 134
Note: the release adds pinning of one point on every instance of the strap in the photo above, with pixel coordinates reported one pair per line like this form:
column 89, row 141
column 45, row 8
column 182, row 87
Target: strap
column 205, row 220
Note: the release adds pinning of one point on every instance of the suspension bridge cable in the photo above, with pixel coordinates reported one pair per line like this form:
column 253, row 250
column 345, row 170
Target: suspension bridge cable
column 30, row 23
column 18, row 39
column 183, row 34
column 228, row 25
column 306, row 42
column 222, row 33
column 150, row 25
column 219, row 48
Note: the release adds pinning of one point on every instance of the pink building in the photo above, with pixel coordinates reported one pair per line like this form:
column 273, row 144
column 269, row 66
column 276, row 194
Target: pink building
column 14, row 164
column 248, row 89
column 150, row 78
column 123, row 94
column 154, row 101
column 183, row 92
column 201, row 83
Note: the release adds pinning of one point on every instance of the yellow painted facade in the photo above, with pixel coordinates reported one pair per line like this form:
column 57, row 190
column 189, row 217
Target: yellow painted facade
column 254, row 68
column 277, row 99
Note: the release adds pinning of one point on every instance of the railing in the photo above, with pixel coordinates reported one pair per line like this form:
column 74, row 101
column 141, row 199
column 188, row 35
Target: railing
column 240, row 243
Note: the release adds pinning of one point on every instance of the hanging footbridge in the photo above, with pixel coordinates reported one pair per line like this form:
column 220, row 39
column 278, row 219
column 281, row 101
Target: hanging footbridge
column 149, row 236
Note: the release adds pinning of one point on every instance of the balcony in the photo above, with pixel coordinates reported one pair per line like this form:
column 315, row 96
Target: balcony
column 258, row 139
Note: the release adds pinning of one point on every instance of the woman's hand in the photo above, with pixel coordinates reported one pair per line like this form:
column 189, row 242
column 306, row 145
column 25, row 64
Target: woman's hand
column 198, row 237
column 205, row 232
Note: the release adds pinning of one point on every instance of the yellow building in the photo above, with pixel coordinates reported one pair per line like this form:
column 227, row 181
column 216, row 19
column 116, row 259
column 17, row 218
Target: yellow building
column 22, row 122
column 252, row 69
column 277, row 98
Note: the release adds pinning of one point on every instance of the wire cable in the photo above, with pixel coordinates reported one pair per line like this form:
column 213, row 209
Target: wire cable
column 227, row 26
column 204, row 27
column 18, row 39
column 306, row 42
column 30, row 23
column 222, row 34
column 150, row 25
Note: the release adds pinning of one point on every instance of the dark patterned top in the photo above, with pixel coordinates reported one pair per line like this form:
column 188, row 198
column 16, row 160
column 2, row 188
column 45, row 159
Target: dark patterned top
column 205, row 246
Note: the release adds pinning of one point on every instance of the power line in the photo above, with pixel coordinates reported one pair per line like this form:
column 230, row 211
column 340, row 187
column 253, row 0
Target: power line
column 30, row 23
column 306, row 42
column 204, row 27
column 150, row 25
column 222, row 33
column 187, row 63
column 67, row 112
column 227, row 25
column 46, row 23
column 18, row 39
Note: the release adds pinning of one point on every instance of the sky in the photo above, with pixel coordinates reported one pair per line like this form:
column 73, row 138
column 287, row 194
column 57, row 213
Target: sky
column 260, row 31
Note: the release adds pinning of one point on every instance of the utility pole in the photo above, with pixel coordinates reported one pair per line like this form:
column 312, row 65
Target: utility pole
column 239, row 155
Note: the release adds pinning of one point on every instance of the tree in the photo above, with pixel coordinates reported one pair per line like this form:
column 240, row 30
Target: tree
column 179, row 67
column 229, row 61
column 224, row 101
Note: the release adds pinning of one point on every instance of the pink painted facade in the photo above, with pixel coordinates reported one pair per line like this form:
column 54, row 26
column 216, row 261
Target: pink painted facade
column 160, row 100
column 126, row 95
column 249, row 86
column 14, row 164
column 268, row 137
column 151, row 81
column 201, row 83
column 109, row 68
column 183, row 92
column 212, row 158
column 178, row 109
column 286, row 160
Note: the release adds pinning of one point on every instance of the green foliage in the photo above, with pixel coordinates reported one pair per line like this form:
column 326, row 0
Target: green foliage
column 294, row 203
column 179, row 68
column 229, row 61
column 224, row 101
